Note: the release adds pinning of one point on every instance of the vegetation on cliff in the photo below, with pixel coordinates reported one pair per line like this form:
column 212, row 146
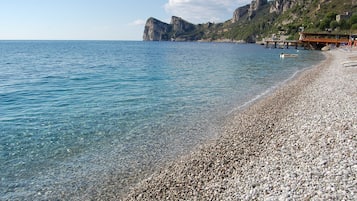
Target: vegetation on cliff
column 263, row 19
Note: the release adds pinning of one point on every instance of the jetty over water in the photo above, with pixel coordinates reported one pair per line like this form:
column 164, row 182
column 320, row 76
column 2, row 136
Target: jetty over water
column 282, row 43
column 314, row 41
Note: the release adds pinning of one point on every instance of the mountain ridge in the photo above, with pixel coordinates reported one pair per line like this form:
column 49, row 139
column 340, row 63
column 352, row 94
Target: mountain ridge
column 261, row 19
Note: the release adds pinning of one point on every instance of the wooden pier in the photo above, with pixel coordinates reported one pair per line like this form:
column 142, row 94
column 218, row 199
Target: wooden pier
column 282, row 43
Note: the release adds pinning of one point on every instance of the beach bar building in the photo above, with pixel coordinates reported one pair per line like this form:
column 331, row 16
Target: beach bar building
column 317, row 41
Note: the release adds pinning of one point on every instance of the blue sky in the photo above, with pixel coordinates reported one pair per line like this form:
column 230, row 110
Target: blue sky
column 101, row 19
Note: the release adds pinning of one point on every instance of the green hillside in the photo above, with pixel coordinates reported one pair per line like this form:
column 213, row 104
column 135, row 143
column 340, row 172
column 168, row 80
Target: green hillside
column 314, row 16
column 263, row 19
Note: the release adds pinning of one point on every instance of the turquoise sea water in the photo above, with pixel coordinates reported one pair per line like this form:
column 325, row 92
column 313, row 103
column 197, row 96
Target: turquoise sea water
column 74, row 114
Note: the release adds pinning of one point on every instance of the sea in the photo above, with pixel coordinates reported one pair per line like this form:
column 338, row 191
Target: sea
column 78, row 117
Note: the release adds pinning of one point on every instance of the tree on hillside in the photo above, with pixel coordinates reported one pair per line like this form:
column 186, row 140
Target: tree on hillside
column 326, row 22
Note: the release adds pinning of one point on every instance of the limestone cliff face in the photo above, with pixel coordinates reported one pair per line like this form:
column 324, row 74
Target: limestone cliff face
column 255, row 6
column 181, row 30
column 248, row 10
column 155, row 30
column 249, row 23
column 179, row 25
column 178, row 29
column 281, row 6
column 239, row 13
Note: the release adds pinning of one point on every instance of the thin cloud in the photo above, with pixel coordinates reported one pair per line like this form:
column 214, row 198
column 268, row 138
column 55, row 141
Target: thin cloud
column 200, row 11
column 138, row 22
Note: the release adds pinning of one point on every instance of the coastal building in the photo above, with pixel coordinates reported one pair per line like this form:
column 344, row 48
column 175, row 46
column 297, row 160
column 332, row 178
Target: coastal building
column 320, row 40
column 344, row 16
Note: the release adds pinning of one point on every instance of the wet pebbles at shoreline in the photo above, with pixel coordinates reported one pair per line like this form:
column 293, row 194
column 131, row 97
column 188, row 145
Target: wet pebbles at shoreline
column 299, row 143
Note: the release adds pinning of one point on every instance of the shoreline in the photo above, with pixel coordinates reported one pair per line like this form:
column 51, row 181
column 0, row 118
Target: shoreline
column 263, row 150
column 271, row 91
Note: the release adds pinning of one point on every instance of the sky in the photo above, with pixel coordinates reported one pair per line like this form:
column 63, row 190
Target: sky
column 102, row 19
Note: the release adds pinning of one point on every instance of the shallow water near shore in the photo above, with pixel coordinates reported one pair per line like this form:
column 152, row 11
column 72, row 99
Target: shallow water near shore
column 75, row 113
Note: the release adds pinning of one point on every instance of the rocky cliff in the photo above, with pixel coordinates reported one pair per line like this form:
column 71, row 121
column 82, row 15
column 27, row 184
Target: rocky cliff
column 281, row 6
column 177, row 30
column 255, row 6
column 155, row 30
column 180, row 26
column 181, row 30
column 259, row 19
column 240, row 12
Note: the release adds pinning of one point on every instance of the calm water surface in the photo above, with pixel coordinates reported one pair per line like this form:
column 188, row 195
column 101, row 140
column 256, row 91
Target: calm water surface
column 75, row 113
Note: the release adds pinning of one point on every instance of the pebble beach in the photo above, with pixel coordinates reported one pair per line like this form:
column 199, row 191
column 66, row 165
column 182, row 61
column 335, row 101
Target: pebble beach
column 297, row 143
